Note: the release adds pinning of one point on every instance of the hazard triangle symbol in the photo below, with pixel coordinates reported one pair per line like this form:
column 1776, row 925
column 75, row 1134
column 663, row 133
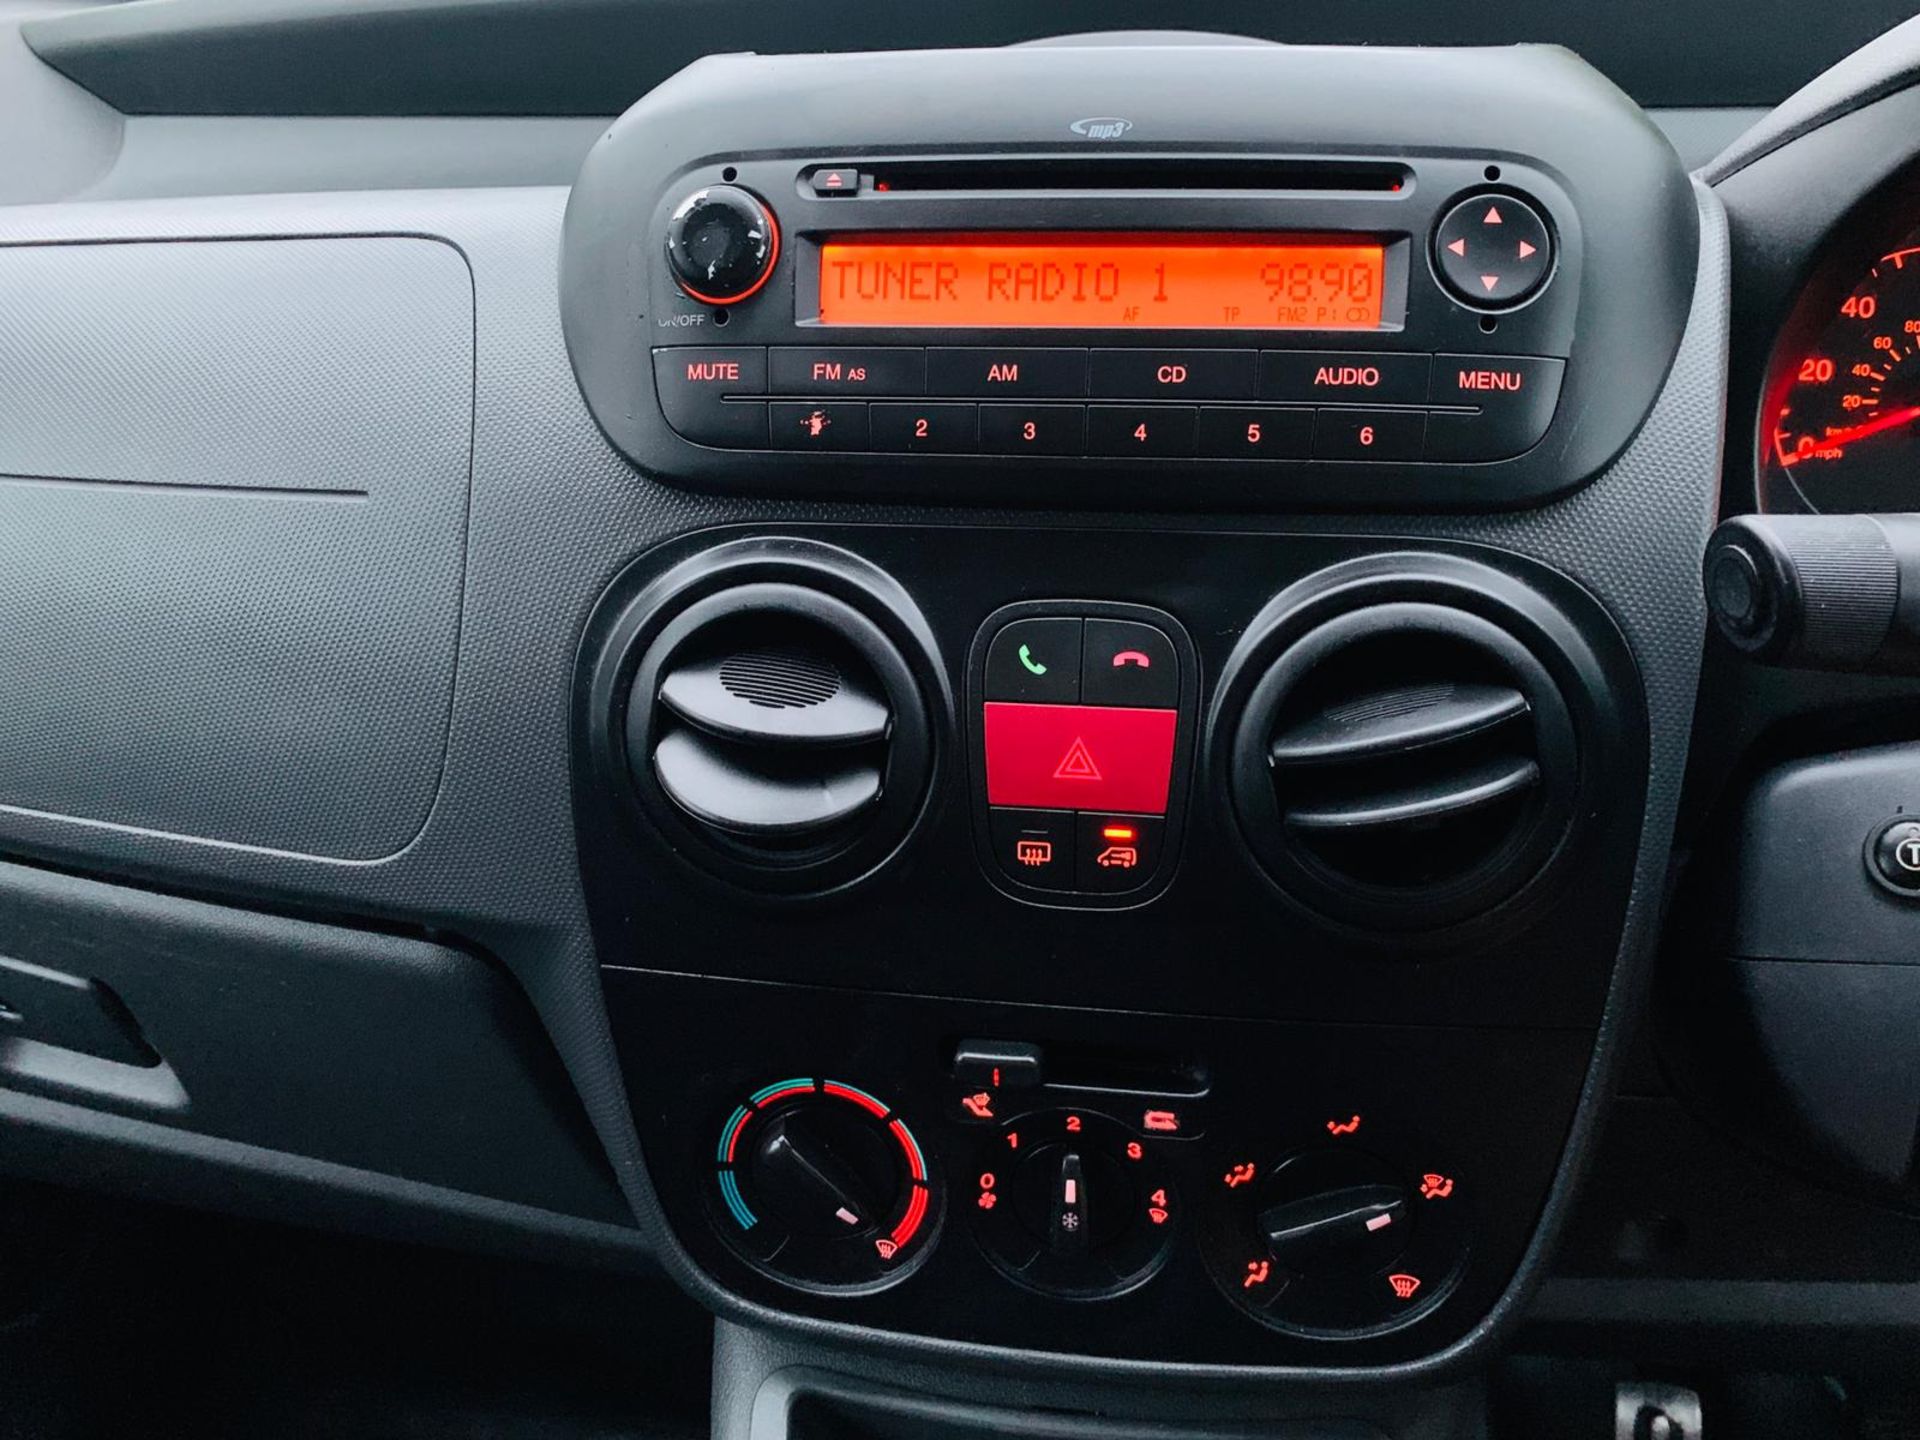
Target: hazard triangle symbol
column 1078, row 764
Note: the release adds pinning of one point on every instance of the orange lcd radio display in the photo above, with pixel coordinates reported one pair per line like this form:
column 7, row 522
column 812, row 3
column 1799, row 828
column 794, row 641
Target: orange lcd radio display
column 1103, row 281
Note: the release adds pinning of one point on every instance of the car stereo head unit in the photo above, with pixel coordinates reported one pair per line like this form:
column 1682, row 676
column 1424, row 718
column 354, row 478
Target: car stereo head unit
column 1256, row 283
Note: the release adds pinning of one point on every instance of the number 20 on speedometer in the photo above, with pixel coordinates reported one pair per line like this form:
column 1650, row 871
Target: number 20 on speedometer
column 1846, row 421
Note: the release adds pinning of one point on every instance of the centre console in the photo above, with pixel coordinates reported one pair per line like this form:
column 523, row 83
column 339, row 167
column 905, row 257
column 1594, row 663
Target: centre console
column 1064, row 931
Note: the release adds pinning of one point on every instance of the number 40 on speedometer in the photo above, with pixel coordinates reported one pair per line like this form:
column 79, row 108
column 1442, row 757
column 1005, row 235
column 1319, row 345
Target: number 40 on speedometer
column 1845, row 410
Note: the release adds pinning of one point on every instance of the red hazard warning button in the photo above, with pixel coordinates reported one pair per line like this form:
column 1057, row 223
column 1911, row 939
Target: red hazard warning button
column 1079, row 757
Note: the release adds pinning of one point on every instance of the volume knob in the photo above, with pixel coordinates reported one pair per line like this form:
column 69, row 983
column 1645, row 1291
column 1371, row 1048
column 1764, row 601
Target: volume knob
column 722, row 243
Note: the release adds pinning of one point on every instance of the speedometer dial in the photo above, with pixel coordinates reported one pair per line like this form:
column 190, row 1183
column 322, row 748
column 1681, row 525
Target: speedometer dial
column 1843, row 413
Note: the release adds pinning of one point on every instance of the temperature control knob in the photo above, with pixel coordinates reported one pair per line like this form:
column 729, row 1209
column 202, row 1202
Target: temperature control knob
column 722, row 243
column 822, row 1184
column 821, row 1172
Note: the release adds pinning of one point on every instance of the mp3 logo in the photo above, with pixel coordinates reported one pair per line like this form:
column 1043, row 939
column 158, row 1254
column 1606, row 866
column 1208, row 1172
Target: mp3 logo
column 1101, row 127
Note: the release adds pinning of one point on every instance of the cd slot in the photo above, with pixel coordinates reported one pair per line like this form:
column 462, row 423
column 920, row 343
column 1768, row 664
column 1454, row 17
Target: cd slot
column 1043, row 175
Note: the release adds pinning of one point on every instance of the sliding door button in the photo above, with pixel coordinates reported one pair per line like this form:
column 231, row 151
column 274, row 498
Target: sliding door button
column 1117, row 853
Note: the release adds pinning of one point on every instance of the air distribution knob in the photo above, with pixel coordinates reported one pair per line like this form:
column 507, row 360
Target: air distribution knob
column 722, row 242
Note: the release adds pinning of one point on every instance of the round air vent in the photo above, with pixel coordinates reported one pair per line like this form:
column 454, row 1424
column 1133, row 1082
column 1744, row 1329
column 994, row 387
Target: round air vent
column 776, row 726
column 1401, row 759
column 771, row 731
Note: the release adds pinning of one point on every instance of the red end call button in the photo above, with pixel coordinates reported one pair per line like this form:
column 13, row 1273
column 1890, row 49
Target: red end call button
column 1079, row 757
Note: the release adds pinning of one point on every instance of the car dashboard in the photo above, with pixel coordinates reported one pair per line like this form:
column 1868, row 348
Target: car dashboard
column 1105, row 734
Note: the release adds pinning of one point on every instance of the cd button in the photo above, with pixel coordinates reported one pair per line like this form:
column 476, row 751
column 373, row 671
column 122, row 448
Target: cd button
column 1175, row 374
column 1033, row 429
column 1367, row 379
column 1140, row 429
column 935, row 429
column 795, row 371
column 1010, row 371
column 1368, row 434
column 831, row 425
column 1255, row 433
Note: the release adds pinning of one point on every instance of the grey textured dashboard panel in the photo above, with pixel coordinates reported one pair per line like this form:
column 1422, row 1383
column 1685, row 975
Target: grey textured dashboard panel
column 232, row 528
column 379, row 1052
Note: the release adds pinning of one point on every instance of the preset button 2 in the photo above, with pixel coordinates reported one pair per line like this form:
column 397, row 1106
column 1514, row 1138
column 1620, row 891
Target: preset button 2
column 936, row 428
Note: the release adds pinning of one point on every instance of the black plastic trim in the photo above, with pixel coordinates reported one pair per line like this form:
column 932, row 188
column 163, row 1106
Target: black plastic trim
column 591, row 57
